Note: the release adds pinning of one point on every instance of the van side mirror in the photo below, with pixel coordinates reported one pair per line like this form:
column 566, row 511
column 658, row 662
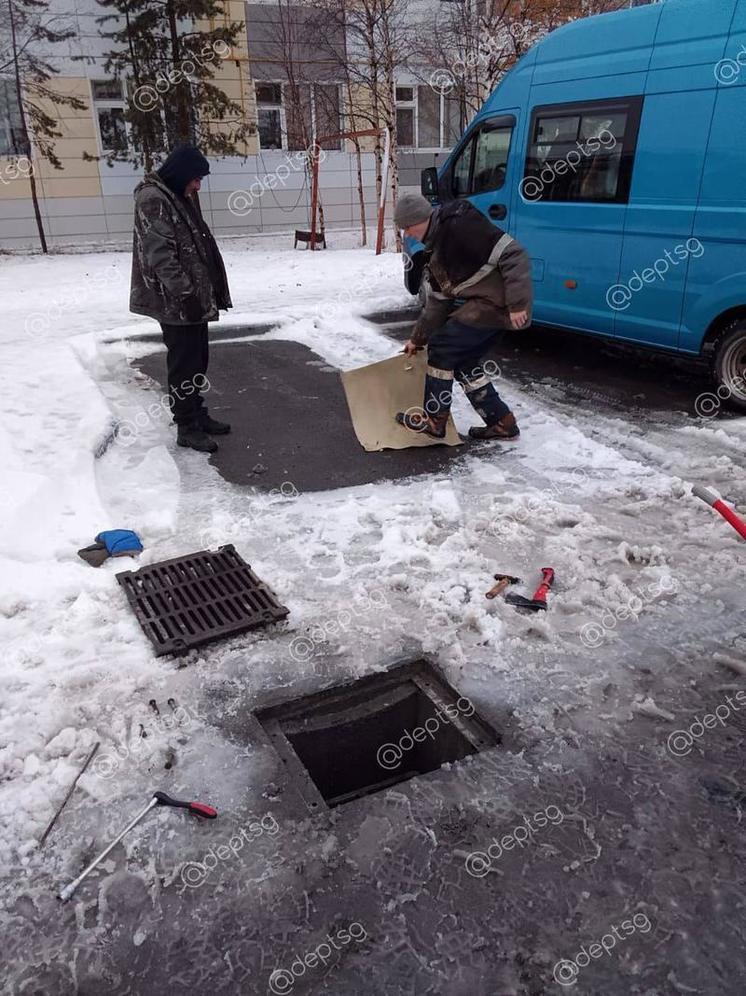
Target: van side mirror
column 429, row 182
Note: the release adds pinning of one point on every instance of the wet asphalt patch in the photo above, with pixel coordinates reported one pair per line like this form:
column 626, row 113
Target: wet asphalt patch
column 290, row 422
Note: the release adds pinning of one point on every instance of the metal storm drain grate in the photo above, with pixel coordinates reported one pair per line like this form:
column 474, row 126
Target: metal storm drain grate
column 188, row 601
column 360, row 738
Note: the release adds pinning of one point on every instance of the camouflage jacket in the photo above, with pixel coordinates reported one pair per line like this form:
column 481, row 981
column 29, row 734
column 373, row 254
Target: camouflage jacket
column 476, row 266
column 171, row 259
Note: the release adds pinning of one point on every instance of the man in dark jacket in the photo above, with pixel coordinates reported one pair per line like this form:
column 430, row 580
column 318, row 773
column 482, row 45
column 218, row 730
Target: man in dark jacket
column 178, row 278
column 477, row 264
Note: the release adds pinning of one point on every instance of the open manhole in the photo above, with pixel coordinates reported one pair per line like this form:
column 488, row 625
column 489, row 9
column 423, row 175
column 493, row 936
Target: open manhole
column 360, row 738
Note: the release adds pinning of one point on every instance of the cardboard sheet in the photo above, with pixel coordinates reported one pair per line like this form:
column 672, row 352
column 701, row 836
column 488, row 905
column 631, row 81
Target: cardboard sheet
column 377, row 392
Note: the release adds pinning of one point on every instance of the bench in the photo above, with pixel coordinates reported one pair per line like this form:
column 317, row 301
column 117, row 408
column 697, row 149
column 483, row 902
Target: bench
column 301, row 236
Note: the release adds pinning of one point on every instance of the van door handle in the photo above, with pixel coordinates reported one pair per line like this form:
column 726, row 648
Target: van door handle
column 497, row 211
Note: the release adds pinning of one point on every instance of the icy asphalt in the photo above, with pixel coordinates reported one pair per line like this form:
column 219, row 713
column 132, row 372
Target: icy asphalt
column 612, row 708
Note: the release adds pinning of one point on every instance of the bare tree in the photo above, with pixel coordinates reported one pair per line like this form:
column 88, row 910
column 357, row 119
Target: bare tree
column 310, row 84
column 466, row 48
column 395, row 45
column 334, row 13
column 456, row 52
column 378, row 45
column 29, row 31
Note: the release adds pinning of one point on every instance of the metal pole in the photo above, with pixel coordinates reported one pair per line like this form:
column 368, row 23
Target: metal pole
column 65, row 894
column 314, row 194
column 69, row 793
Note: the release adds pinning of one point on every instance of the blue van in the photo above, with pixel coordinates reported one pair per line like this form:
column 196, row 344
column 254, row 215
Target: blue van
column 615, row 151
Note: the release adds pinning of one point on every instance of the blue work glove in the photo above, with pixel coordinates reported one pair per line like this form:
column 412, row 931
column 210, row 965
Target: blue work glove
column 120, row 542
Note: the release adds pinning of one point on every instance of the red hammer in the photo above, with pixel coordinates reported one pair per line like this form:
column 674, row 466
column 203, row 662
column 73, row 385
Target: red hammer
column 539, row 601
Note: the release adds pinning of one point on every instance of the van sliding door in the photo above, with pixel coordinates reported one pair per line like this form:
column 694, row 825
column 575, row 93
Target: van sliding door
column 573, row 201
column 660, row 249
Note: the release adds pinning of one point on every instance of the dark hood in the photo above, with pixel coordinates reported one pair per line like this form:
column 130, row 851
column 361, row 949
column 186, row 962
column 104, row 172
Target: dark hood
column 185, row 163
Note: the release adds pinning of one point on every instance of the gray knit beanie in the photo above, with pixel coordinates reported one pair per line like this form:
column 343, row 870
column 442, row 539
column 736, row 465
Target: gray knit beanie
column 411, row 209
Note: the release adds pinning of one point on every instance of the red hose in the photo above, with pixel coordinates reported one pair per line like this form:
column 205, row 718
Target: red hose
column 730, row 516
column 719, row 505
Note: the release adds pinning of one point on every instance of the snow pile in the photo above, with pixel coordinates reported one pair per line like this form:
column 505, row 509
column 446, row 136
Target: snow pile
column 649, row 581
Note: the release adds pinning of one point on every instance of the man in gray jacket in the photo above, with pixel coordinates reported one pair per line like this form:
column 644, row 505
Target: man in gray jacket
column 487, row 274
column 178, row 278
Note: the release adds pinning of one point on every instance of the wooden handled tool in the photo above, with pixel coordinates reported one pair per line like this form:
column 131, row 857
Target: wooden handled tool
column 503, row 580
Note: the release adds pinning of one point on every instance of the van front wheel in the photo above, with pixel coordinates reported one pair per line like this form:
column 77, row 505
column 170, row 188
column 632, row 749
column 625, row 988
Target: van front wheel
column 729, row 366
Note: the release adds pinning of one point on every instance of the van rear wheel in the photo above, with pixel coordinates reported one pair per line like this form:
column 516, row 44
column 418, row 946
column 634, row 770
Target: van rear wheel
column 729, row 366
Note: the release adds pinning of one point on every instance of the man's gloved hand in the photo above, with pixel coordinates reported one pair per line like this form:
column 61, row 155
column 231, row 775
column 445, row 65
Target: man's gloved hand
column 193, row 310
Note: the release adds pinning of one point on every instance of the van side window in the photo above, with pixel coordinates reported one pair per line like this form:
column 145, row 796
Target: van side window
column 582, row 152
column 481, row 164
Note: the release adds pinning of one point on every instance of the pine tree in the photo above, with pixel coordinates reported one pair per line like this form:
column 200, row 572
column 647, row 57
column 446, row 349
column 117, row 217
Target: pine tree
column 168, row 68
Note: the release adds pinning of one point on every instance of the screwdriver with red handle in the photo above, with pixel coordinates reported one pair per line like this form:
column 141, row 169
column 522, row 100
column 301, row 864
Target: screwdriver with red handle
column 159, row 799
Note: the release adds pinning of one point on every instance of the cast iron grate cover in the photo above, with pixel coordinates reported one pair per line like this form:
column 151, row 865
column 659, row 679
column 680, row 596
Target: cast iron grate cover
column 188, row 601
column 360, row 738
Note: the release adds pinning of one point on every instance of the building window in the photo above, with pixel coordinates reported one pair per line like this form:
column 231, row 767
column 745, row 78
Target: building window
column 290, row 116
column 582, row 152
column 405, row 116
column 426, row 118
column 328, row 113
column 270, row 115
column 11, row 134
column 298, row 116
column 109, row 105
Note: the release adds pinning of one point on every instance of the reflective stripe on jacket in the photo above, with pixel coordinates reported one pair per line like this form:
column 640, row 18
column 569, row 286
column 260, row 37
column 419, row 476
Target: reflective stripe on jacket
column 472, row 260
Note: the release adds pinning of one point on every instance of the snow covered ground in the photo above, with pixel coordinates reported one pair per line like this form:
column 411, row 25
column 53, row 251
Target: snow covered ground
column 650, row 584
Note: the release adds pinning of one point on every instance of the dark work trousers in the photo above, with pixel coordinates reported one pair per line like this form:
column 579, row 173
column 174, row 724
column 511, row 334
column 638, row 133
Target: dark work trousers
column 457, row 350
column 186, row 362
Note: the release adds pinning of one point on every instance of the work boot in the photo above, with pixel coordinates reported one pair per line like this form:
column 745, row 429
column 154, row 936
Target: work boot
column 195, row 438
column 505, row 428
column 416, row 421
column 212, row 426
